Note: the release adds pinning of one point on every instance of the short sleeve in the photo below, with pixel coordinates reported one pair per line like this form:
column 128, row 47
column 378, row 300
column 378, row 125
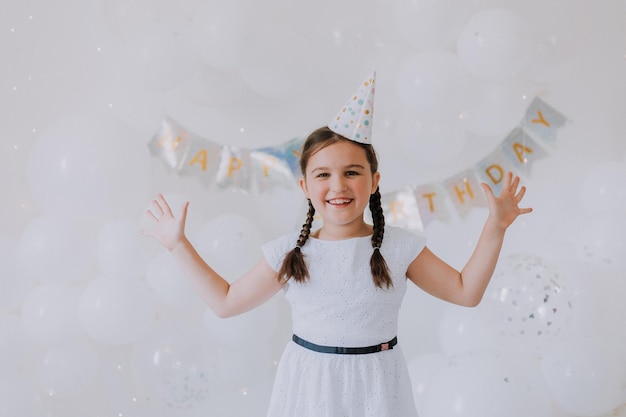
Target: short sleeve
column 402, row 245
column 274, row 251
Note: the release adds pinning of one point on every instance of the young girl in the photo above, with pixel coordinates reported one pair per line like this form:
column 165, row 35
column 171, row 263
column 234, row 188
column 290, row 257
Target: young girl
column 345, row 281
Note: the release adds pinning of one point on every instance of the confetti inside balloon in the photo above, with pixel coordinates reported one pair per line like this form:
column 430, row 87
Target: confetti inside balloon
column 526, row 304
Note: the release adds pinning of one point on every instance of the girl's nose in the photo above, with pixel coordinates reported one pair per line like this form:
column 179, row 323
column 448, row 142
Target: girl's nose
column 338, row 184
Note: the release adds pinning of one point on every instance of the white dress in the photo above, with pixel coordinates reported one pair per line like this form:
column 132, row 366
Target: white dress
column 340, row 306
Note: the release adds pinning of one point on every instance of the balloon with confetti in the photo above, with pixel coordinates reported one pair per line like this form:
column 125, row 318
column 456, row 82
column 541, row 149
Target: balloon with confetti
column 526, row 305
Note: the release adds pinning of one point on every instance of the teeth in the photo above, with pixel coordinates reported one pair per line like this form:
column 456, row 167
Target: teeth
column 342, row 201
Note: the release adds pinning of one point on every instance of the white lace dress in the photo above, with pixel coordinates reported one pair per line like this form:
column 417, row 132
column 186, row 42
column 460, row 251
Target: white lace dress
column 341, row 306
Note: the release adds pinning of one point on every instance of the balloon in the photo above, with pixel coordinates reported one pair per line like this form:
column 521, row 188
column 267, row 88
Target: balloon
column 156, row 54
column 600, row 240
column 527, row 304
column 116, row 312
column 431, row 141
column 495, row 44
column 462, row 330
column 430, row 81
column 272, row 67
column 603, row 188
column 486, row 384
column 87, row 166
column 18, row 397
column 424, row 23
column 67, row 370
column 562, row 33
column 174, row 367
column 121, row 251
column 219, row 30
column 248, row 329
column 495, row 108
column 14, row 281
column 421, row 370
column 56, row 249
column 169, row 283
column 585, row 376
column 230, row 243
column 49, row 314
column 13, row 343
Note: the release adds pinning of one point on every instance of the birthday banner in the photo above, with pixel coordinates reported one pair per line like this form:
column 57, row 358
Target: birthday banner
column 412, row 207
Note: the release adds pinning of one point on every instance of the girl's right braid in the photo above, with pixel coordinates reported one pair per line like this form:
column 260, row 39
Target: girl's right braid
column 378, row 265
column 294, row 266
column 306, row 227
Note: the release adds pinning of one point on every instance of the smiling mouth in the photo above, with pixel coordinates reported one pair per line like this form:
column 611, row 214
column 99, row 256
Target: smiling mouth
column 339, row 201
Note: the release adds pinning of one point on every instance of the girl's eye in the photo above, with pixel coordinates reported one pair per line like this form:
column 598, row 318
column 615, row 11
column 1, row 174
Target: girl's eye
column 323, row 175
column 351, row 173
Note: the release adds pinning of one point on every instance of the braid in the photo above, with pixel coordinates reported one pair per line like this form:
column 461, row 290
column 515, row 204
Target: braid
column 380, row 270
column 294, row 265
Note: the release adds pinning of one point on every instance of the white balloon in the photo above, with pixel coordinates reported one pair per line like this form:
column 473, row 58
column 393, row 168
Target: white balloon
column 55, row 248
column 486, row 384
column 116, row 312
column 67, row 370
column 429, row 82
column 495, row 44
column 431, row 141
column 172, row 287
column 219, row 30
column 421, row 370
column 424, row 23
column 87, row 165
column 272, row 66
column 156, row 54
column 462, row 330
column 174, row 367
column 585, row 376
column 121, row 249
column 18, row 396
column 562, row 37
column 603, row 188
column 248, row 329
column 600, row 239
column 14, row 280
column 49, row 314
column 231, row 243
column 495, row 108
column 13, row 343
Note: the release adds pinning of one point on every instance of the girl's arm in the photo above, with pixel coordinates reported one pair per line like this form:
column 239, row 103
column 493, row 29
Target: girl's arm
column 468, row 286
column 226, row 300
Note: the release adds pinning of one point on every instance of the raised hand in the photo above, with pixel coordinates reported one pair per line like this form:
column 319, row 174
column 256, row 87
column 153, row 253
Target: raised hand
column 504, row 209
column 168, row 229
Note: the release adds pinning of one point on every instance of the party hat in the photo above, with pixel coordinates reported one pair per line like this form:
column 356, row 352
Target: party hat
column 354, row 120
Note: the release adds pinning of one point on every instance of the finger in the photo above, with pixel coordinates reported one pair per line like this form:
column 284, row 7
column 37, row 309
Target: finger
column 165, row 206
column 507, row 180
column 157, row 207
column 151, row 215
column 520, row 194
column 488, row 191
column 183, row 211
column 515, row 184
column 525, row 210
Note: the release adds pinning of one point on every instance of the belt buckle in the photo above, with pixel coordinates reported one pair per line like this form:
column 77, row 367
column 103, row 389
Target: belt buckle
column 384, row 346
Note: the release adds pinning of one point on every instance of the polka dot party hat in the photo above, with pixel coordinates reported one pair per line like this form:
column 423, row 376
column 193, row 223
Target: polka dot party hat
column 354, row 120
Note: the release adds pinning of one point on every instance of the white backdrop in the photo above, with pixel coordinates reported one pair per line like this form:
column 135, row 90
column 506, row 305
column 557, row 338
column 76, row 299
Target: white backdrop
column 96, row 320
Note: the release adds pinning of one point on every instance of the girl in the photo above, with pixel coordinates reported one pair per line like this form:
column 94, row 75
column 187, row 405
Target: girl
column 345, row 281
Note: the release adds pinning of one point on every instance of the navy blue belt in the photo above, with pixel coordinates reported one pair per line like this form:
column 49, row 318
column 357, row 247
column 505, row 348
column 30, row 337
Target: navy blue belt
column 346, row 350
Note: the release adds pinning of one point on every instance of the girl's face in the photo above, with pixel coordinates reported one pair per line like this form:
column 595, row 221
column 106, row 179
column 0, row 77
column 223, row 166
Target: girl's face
column 338, row 181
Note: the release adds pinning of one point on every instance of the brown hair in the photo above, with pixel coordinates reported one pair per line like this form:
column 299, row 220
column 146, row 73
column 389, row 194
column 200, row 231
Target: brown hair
column 294, row 265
